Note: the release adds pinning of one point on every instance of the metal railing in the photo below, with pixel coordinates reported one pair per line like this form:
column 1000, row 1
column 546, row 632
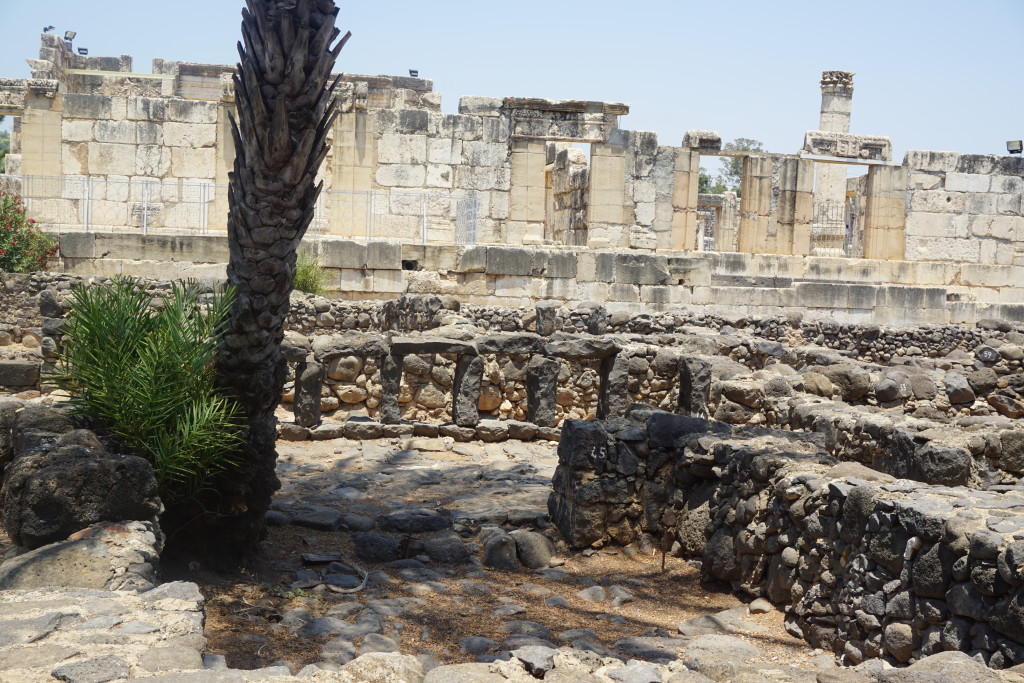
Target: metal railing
column 830, row 229
column 179, row 207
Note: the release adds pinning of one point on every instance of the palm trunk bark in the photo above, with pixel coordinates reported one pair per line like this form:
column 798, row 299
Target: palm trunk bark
column 285, row 107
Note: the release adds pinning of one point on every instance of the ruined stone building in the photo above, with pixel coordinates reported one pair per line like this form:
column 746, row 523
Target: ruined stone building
column 100, row 148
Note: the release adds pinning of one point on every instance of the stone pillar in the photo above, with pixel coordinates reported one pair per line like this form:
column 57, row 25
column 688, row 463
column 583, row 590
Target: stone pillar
column 755, row 204
column 836, row 106
column 727, row 229
column 41, row 143
column 607, row 200
column 796, row 207
column 542, row 390
column 528, row 195
column 694, row 386
column 469, row 371
column 885, row 218
column 391, row 385
column 353, row 157
column 613, row 391
column 684, row 200
column 309, row 378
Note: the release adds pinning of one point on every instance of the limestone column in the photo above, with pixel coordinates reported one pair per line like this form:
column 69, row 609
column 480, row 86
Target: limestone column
column 542, row 390
column 607, row 200
column 528, row 193
column 885, row 218
column 469, row 371
column 755, row 204
column 684, row 200
column 353, row 155
column 391, row 385
column 836, row 106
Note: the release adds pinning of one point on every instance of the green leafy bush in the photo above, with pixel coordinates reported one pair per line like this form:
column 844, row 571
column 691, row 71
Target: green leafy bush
column 145, row 374
column 309, row 273
column 24, row 248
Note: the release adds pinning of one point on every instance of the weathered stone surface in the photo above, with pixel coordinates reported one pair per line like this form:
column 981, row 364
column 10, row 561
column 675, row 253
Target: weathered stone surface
column 52, row 494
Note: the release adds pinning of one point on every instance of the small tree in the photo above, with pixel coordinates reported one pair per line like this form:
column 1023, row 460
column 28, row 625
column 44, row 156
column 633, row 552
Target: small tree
column 146, row 376
column 24, row 248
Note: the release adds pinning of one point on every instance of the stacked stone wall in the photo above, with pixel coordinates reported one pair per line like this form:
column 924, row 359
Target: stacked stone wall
column 864, row 564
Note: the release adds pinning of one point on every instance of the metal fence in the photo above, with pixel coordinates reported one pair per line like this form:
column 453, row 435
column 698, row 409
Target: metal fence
column 830, row 229
column 179, row 207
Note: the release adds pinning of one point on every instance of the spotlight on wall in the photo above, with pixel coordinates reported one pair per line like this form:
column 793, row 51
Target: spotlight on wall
column 84, row 51
column 69, row 35
column 47, row 29
column 414, row 73
column 1013, row 146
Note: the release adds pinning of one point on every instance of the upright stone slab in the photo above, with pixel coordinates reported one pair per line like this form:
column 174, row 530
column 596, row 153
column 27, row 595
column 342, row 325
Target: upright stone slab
column 546, row 313
column 694, row 386
column 469, row 371
column 391, row 385
column 309, row 377
column 541, row 390
column 613, row 396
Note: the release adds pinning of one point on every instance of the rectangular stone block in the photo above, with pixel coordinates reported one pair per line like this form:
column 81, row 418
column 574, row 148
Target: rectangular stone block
column 937, row 201
column 342, row 253
column 19, row 373
column 401, row 175
column 77, row 131
column 384, row 256
column 152, row 160
column 402, row 149
column 111, row 159
column 193, row 135
column 194, row 163
column 122, row 132
column 967, row 182
column 472, row 260
column 917, row 160
column 147, row 108
column 509, row 261
column 95, row 107
column 483, row 106
column 77, row 245
column 389, row 281
column 192, row 111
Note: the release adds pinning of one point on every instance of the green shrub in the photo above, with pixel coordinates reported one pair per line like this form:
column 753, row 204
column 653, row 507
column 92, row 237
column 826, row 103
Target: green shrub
column 145, row 375
column 309, row 273
column 24, row 248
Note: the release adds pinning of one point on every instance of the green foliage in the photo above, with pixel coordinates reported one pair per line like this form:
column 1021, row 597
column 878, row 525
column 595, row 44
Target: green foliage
column 732, row 167
column 24, row 248
column 145, row 374
column 709, row 185
column 309, row 273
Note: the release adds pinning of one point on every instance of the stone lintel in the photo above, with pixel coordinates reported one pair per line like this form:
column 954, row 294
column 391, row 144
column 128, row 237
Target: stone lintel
column 568, row 106
column 848, row 145
column 704, row 141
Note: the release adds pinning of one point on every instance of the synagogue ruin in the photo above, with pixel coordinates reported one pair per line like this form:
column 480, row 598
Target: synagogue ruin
column 810, row 389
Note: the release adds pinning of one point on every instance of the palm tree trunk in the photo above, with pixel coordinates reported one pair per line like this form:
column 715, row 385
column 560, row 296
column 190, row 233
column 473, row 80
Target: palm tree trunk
column 285, row 107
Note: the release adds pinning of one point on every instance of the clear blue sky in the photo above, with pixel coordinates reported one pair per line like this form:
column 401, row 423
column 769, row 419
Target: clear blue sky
column 940, row 74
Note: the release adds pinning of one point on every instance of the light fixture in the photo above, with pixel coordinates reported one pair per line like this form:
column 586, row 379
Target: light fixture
column 414, row 73
column 84, row 51
column 1013, row 146
column 69, row 35
column 47, row 29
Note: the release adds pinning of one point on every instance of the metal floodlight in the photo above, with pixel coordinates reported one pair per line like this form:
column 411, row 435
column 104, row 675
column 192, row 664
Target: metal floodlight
column 69, row 35
column 47, row 29
column 414, row 73
column 84, row 51
column 1013, row 146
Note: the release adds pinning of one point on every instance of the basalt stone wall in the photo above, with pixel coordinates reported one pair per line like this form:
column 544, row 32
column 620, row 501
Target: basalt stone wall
column 864, row 564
